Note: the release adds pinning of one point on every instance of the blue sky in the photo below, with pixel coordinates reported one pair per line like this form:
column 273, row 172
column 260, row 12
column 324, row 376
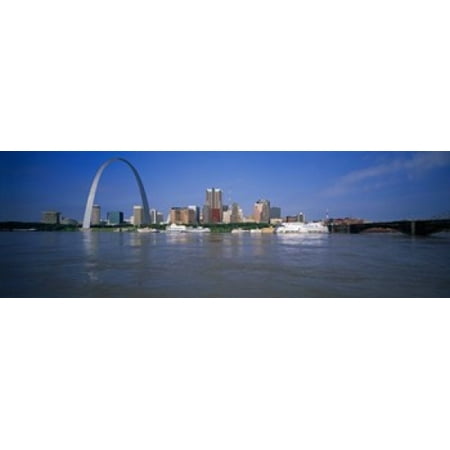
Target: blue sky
column 370, row 185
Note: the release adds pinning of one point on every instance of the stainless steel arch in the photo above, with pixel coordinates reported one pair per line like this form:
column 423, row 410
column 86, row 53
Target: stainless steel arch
column 93, row 190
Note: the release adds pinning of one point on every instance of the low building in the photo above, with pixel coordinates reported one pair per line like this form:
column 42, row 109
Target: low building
column 300, row 217
column 275, row 221
column 227, row 216
column 69, row 221
column 182, row 216
column 51, row 217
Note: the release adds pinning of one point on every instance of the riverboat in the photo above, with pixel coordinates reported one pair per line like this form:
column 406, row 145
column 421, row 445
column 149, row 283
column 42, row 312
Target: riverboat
column 301, row 228
column 173, row 228
column 198, row 230
column 147, row 230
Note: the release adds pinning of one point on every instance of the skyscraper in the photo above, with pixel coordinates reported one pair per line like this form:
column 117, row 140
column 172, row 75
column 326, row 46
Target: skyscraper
column 261, row 211
column 236, row 213
column 213, row 209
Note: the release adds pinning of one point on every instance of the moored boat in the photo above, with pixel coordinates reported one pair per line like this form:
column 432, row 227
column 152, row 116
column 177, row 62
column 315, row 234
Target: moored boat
column 301, row 228
column 147, row 230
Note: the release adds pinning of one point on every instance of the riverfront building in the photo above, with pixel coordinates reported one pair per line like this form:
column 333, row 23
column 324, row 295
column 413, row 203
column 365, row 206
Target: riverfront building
column 261, row 211
column 226, row 216
column 182, row 216
column 213, row 209
column 138, row 215
column 51, row 217
column 196, row 210
column 275, row 212
column 69, row 221
column 156, row 217
column 236, row 214
column 96, row 215
column 114, row 217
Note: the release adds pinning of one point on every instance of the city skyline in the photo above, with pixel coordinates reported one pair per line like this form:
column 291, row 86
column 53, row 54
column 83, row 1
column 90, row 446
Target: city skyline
column 372, row 185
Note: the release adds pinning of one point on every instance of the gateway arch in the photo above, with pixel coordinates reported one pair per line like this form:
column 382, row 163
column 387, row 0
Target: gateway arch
column 93, row 190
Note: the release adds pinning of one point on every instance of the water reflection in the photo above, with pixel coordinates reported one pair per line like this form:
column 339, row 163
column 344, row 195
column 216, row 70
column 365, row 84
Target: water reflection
column 140, row 239
column 310, row 239
column 90, row 242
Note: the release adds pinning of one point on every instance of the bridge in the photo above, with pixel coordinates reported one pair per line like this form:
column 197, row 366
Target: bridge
column 411, row 227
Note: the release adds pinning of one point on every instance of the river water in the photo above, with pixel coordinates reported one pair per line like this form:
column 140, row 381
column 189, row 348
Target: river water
column 105, row 264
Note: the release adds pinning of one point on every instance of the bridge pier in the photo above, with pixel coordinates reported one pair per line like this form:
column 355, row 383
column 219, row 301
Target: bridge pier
column 413, row 228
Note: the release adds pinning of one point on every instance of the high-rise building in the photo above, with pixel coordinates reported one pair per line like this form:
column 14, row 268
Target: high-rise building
column 236, row 214
column 51, row 217
column 138, row 215
column 213, row 209
column 95, row 216
column 156, row 217
column 261, row 211
column 182, row 216
column 114, row 217
column 196, row 210
column 153, row 216
column 275, row 212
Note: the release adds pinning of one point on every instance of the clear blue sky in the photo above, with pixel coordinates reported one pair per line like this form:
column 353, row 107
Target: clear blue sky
column 371, row 185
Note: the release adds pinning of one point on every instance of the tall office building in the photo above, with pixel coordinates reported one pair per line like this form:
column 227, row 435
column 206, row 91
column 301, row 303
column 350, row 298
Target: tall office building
column 114, row 217
column 236, row 214
column 153, row 213
column 261, row 211
column 51, row 217
column 138, row 215
column 156, row 217
column 213, row 209
column 95, row 217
